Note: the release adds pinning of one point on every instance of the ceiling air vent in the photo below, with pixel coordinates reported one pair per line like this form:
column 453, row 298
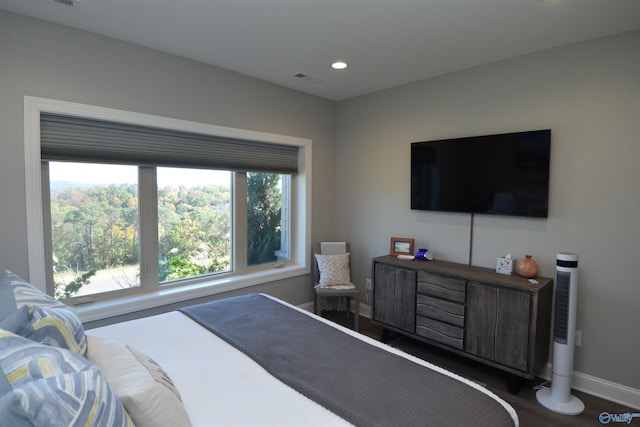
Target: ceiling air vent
column 66, row 2
column 307, row 78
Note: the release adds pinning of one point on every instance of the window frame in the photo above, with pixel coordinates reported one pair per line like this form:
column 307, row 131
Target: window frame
column 163, row 295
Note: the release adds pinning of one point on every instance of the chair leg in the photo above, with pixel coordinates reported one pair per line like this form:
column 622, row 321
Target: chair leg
column 317, row 307
column 356, row 315
column 348, row 306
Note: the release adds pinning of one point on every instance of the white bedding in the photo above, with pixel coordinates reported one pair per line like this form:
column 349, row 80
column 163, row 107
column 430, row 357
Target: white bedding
column 220, row 386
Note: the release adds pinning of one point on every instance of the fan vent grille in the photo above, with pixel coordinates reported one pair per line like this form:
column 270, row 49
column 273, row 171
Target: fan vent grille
column 306, row 77
column 561, row 319
column 66, row 2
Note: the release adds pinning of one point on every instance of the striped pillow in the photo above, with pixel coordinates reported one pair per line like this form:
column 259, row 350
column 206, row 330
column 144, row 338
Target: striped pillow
column 27, row 311
column 48, row 386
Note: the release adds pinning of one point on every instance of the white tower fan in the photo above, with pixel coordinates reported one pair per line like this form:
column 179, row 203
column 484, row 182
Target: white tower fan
column 559, row 398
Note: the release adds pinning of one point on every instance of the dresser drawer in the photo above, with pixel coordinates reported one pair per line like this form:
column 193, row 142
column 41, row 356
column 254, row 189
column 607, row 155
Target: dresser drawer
column 440, row 332
column 439, row 309
column 441, row 287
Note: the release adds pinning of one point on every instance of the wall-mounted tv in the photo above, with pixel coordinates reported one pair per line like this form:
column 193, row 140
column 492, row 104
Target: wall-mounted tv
column 505, row 174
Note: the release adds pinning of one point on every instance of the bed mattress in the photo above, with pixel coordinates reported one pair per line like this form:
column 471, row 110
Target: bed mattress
column 220, row 385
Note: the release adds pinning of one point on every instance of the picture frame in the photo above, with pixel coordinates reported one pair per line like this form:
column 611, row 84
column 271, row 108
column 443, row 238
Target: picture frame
column 401, row 246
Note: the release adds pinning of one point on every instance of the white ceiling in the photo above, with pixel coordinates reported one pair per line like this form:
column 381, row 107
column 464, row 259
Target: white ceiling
column 386, row 42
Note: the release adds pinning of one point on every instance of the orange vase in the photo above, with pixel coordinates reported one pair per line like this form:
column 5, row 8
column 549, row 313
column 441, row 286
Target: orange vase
column 527, row 267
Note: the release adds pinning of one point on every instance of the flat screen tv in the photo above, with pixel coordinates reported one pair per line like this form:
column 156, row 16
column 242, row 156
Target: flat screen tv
column 505, row 174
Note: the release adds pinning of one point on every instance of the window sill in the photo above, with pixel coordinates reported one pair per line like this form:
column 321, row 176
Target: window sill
column 130, row 304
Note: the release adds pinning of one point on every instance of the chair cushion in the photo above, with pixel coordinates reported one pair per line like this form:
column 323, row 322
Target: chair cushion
column 334, row 269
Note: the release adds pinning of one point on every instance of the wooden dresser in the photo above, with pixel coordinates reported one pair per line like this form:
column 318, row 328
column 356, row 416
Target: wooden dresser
column 503, row 321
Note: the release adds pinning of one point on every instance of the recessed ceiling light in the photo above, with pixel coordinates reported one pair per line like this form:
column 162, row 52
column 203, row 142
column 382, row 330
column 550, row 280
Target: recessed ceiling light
column 339, row 65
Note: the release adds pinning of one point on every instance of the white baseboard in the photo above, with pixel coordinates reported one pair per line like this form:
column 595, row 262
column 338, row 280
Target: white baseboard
column 599, row 387
column 365, row 310
column 308, row 306
column 586, row 383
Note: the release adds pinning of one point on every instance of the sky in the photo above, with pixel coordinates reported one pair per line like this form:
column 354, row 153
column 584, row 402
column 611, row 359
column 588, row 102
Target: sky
column 117, row 174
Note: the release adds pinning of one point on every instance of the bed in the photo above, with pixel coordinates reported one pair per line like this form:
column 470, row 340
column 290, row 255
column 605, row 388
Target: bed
column 264, row 362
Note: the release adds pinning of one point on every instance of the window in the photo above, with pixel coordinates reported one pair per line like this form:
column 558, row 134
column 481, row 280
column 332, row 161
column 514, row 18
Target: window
column 194, row 223
column 267, row 218
column 94, row 229
column 150, row 214
column 95, row 234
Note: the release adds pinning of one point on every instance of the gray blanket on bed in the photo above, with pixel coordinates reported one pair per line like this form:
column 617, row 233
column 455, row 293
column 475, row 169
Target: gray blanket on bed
column 363, row 384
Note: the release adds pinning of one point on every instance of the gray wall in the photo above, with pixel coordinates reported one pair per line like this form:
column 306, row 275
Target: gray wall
column 50, row 61
column 589, row 95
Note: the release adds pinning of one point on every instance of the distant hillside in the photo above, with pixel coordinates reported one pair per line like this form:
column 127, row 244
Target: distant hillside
column 63, row 185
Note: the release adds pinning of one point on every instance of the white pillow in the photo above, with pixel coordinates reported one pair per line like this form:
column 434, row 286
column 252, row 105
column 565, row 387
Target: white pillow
column 144, row 389
column 334, row 269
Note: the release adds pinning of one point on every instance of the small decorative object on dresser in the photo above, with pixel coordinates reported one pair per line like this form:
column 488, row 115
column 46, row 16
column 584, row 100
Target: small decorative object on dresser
column 401, row 246
column 505, row 265
column 527, row 267
column 424, row 254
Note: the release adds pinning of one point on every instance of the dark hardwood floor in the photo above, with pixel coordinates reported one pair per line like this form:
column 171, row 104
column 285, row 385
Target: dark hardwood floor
column 530, row 412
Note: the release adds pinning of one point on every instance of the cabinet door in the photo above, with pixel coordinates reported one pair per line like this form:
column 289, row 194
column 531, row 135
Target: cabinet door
column 404, row 315
column 512, row 328
column 480, row 320
column 394, row 296
column 497, row 324
column 383, row 293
